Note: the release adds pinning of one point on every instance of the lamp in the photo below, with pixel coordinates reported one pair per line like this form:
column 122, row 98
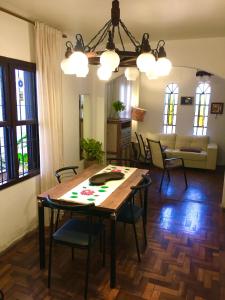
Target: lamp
column 112, row 56
column 137, row 114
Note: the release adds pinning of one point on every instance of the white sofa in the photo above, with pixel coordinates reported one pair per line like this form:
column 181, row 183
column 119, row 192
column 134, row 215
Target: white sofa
column 196, row 151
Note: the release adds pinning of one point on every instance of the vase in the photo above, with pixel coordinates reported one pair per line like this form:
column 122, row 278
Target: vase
column 88, row 163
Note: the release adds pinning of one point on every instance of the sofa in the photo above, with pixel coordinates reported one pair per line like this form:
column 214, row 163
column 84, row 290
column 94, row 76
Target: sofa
column 196, row 151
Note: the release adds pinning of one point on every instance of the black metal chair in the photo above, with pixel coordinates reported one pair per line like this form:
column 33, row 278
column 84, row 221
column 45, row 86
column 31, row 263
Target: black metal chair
column 130, row 213
column 160, row 160
column 64, row 174
column 1, row 295
column 143, row 150
column 74, row 233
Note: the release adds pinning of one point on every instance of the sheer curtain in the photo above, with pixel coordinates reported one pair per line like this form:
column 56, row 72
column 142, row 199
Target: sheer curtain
column 119, row 89
column 49, row 91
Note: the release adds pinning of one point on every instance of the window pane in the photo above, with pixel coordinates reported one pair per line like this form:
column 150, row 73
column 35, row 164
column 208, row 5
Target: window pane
column 3, row 166
column 170, row 108
column 25, row 95
column 201, row 109
column 2, row 98
column 22, row 153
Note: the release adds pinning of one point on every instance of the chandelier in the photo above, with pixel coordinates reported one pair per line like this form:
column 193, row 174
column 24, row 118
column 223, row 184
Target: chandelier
column 153, row 62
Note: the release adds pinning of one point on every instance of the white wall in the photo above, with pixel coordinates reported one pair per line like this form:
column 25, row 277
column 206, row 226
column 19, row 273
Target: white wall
column 18, row 204
column 152, row 94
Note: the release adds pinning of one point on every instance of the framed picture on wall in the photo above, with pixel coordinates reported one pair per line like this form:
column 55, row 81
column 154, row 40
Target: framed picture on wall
column 216, row 108
column 186, row 100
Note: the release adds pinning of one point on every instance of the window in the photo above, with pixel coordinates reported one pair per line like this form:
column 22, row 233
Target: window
column 170, row 108
column 19, row 148
column 203, row 93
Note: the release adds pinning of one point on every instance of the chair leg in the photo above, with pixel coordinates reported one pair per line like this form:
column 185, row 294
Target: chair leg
column 136, row 241
column 50, row 263
column 162, row 180
column 72, row 252
column 185, row 178
column 144, row 231
column 103, row 252
column 168, row 174
column 87, row 272
column 57, row 219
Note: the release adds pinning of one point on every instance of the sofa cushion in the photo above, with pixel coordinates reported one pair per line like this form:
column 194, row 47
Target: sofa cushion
column 167, row 140
column 191, row 149
column 199, row 142
column 186, row 155
column 183, row 141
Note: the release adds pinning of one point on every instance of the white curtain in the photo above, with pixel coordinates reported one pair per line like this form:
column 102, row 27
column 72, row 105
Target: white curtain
column 119, row 89
column 49, row 91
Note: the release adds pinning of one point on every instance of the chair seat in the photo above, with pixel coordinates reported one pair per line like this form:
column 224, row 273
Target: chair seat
column 126, row 216
column 76, row 232
column 173, row 163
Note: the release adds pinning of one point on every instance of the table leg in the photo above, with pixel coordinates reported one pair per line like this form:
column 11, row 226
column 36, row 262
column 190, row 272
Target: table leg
column 113, row 252
column 41, row 218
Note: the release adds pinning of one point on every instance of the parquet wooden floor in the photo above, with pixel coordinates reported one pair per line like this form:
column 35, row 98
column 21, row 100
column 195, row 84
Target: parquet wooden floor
column 185, row 257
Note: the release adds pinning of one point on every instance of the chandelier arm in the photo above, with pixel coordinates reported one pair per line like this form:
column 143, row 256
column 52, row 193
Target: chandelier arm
column 105, row 27
column 121, row 40
column 69, row 44
column 134, row 41
column 161, row 43
column 102, row 37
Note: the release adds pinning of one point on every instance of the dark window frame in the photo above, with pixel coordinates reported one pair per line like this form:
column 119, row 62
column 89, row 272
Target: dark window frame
column 11, row 122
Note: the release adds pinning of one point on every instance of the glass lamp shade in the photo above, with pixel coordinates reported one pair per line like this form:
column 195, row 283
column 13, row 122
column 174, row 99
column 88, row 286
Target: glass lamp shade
column 67, row 67
column 110, row 59
column 152, row 74
column 163, row 66
column 82, row 72
column 131, row 73
column 104, row 73
column 78, row 58
column 145, row 62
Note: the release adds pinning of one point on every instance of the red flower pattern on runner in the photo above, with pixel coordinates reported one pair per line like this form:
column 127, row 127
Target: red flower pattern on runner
column 87, row 192
column 116, row 170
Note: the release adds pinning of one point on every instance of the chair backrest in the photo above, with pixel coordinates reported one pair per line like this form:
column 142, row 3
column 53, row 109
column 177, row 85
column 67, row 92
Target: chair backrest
column 143, row 147
column 59, row 205
column 156, row 153
column 138, row 143
column 65, row 173
column 142, row 189
column 122, row 162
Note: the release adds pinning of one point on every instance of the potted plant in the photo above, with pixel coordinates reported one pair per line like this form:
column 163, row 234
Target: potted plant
column 118, row 106
column 92, row 151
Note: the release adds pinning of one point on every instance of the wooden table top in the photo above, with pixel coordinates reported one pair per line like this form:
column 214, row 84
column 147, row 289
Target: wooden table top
column 113, row 202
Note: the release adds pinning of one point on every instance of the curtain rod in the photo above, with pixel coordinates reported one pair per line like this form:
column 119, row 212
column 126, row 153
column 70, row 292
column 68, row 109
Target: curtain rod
column 22, row 18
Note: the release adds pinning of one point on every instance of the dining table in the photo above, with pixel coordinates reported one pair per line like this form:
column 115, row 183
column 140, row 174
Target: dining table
column 109, row 208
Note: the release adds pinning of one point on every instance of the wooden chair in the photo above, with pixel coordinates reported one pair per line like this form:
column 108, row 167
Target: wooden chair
column 74, row 233
column 130, row 213
column 166, row 164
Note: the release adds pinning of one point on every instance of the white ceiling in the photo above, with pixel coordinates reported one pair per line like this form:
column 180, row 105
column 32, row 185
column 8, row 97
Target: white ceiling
column 162, row 19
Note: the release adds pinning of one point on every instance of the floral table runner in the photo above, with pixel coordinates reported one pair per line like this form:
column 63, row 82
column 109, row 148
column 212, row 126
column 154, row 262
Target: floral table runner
column 85, row 193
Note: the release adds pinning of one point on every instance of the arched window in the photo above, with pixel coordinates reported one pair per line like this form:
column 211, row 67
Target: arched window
column 170, row 108
column 203, row 93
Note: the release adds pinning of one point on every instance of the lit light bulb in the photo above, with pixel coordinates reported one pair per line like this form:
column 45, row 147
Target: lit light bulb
column 104, row 73
column 82, row 72
column 145, row 62
column 152, row 74
column 131, row 73
column 110, row 59
column 163, row 66
column 67, row 67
